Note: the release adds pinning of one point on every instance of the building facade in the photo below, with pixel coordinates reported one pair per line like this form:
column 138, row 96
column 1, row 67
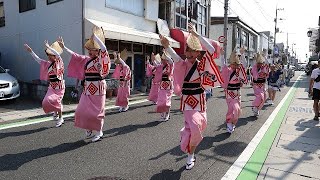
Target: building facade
column 179, row 13
column 127, row 24
column 239, row 35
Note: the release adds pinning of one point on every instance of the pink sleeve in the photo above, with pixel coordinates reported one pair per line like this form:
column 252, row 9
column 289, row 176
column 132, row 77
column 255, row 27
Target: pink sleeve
column 179, row 73
column 44, row 70
column 116, row 73
column 225, row 76
column 243, row 74
column 149, row 70
column 127, row 71
column 254, row 72
column 158, row 74
column 76, row 66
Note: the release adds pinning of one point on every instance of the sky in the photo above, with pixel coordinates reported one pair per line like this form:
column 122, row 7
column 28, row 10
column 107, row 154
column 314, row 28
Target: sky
column 298, row 16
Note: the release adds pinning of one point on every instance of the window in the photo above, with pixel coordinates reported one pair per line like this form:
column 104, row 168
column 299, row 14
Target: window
column 137, row 48
column 244, row 39
column 238, row 36
column 26, row 5
column 112, row 45
column 202, row 19
column 52, row 1
column 164, row 10
column 181, row 14
column 2, row 19
column 125, row 45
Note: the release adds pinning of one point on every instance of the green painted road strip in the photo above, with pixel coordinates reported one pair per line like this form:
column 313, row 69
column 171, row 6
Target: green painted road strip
column 45, row 119
column 251, row 160
column 255, row 163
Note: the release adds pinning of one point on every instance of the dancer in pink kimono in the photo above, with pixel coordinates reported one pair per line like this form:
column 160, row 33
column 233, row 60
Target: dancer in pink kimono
column 151, row 71
column 52, row 71
column 123, row 74
column 234, row 76
column 166, row 86
column 90, row 111
column 260, row 73
column 192, row 76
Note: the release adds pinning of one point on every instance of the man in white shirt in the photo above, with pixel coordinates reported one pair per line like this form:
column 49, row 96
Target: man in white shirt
column 314, row 90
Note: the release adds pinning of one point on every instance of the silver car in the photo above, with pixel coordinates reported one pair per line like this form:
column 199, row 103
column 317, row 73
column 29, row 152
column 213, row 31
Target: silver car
column 9, row 86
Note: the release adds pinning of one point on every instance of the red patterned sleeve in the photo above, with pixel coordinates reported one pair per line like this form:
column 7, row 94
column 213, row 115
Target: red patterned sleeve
column 104, row 64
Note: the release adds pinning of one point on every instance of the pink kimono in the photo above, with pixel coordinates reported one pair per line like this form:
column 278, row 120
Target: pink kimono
column 155, row 73
column 232, row 82
column 191, row 79
column 123, row 74
column 166, row 88
column 53, row 72
column 90, row 112
column 259, row 79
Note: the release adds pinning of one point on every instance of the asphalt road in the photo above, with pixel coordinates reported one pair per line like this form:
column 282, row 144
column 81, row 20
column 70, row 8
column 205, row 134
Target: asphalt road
column 135, row 145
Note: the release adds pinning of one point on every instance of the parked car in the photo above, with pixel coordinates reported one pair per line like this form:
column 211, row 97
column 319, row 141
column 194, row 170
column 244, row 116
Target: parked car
column 9, row 86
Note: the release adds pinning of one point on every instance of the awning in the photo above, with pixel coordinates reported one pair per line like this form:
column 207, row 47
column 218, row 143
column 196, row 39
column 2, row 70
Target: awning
column 181, row 36
column 113, row 31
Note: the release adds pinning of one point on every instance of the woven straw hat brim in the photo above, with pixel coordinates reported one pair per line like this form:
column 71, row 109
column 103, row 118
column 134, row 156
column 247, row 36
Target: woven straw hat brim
column 56, row 47
column 234, row 59
column 194, row 43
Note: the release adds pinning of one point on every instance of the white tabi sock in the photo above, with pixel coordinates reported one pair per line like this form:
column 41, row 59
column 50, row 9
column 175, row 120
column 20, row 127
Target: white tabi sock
column 190, row 158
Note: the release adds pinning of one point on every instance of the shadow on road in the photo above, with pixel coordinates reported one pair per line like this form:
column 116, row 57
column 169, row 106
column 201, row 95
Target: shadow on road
column 243, row 121
column 14, row 161
column 168, row 174
column 22, row 133
column 112, row 112
column 233, row 149
column 130, row 128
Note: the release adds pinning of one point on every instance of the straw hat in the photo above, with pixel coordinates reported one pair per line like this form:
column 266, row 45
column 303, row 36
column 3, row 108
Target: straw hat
column 56, row 47
column 157, row 58
column 234, row 58
column 259, row 58
column 123, row 56
column 91, row 44
column 165, row 55
column 194, row 43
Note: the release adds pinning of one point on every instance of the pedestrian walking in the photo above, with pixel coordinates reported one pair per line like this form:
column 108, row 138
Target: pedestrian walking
column 273, row 83
column 192, row 76
column 234, row 76
column 122, row 72
column 90, row 112
column 260, row 72
column 52, row 71
column 314, row 90
column 156, row 76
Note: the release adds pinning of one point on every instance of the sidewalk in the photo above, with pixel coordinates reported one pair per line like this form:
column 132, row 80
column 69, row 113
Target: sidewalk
column 295, row 150
column 33, row 113
column 287, row 146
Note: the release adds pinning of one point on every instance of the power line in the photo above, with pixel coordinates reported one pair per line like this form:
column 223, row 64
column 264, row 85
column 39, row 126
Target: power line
column 263, row 11
column 252, row 17
column 229, row 7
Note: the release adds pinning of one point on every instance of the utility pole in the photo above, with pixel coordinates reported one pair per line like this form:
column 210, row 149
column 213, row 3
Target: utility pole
column 225, row 28
column 275, row 31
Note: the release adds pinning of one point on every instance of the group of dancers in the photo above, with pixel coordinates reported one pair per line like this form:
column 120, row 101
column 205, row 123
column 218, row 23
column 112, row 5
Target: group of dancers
column 188, row 78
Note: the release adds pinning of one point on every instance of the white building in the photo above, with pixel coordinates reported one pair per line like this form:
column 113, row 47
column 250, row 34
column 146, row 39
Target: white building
column 263, row 42
column 239, row 35
column 128, row 24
